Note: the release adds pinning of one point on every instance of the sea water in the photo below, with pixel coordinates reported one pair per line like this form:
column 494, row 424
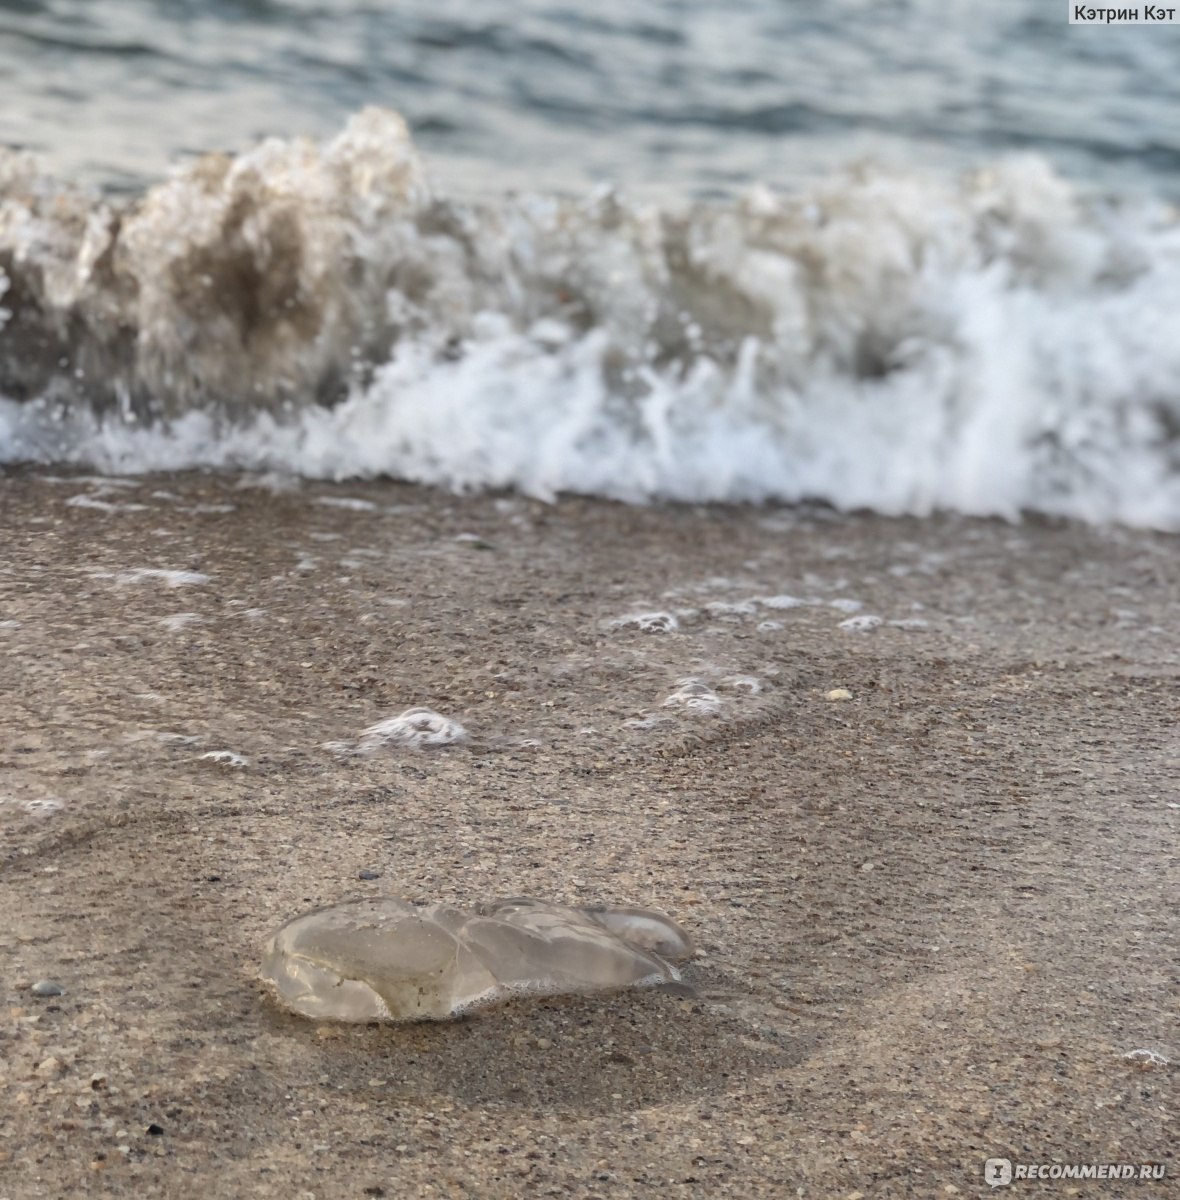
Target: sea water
column 907, row 257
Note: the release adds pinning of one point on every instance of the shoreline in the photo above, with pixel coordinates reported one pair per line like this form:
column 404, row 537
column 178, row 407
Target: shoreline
column 934, row 918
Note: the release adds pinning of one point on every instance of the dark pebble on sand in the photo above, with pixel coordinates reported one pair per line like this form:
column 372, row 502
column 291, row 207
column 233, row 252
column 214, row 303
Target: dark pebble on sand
column 369, row 875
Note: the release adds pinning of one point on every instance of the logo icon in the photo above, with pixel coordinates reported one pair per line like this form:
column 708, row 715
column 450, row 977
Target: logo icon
column 997, row 1172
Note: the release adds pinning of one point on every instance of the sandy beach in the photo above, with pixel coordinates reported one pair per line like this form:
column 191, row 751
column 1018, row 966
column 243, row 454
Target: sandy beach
column 935, row 917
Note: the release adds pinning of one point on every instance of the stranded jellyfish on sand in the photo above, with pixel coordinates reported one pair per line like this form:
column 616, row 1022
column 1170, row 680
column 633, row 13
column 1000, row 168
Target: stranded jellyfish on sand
column 384, row 959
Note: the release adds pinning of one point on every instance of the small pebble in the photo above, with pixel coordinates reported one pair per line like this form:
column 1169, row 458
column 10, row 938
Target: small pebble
column 155, row 1130
column 46, row 987
column 369, row 875
column 838, row 694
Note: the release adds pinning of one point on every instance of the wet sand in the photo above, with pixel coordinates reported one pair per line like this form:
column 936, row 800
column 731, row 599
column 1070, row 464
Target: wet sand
column 934, row 917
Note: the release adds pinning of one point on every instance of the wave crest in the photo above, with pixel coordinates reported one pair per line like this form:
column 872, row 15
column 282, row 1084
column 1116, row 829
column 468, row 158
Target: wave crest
column 888, row 340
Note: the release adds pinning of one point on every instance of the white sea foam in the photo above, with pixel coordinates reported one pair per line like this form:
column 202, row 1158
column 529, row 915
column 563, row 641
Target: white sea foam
column 740, row 608
column 101, row 482
column 743, row 683
column 695, row 697
column 226, row 758
column 216, row 509
column 1148, row 1059
column 863, row 624
column 783, row 602
column 352, row 503
column 418, row 728
column 651, row 721
column 44, row 806
column 647, row 622
column 172, row 579
column 888, row 340
column 84, row 501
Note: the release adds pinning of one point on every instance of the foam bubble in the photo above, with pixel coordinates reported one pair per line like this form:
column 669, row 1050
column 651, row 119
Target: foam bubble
column 743, row 683
column 862, row 624
column 647, row 622
column 695, row 696
column 172, row 579
column 41, row 806
column 351, row 503
column 782, row 602
column 226, row 758
column 110, row 506
column 1147, row 1059
column 739, row 608
column 418, row 728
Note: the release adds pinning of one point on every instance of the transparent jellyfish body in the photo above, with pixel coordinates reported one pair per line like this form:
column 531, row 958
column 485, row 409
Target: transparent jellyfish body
column 386, row 959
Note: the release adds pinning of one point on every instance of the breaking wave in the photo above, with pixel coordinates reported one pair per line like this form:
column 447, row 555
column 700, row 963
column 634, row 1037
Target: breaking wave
column 901, row 342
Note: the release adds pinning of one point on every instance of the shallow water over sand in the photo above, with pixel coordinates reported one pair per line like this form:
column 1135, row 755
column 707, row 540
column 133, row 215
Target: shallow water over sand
column 934, row 916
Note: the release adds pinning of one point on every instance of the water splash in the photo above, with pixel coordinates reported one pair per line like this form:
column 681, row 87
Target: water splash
column 887, row 340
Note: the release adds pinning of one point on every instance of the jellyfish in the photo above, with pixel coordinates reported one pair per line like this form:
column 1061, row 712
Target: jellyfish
column 385, row 959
